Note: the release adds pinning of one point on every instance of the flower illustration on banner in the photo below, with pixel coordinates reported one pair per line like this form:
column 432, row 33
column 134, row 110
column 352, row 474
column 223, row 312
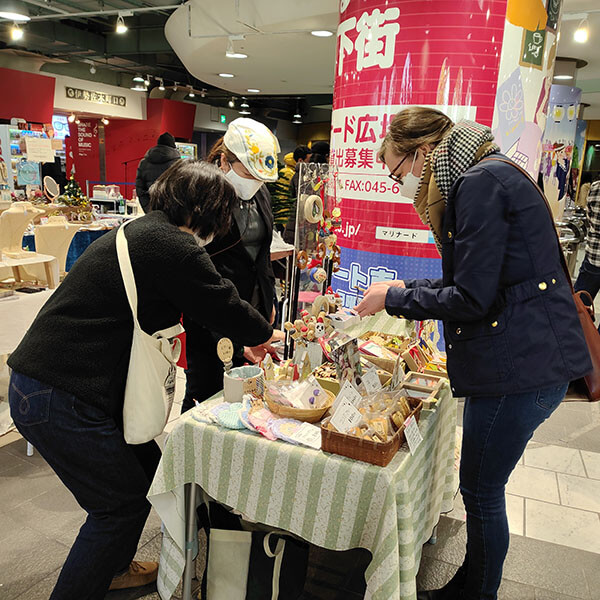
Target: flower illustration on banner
column 511, row 103
column 344, row 5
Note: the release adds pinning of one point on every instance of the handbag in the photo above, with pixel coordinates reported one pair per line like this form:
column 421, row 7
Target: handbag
column 590, row 384
column 150, row 386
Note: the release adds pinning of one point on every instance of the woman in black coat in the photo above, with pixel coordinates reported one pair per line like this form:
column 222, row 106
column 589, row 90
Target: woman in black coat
column 247, row 154
column 513, row 337
column 69, row 373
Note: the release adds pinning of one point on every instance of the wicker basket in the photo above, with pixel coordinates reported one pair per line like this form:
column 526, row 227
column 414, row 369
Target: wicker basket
column 376, row 453
column 309, row 415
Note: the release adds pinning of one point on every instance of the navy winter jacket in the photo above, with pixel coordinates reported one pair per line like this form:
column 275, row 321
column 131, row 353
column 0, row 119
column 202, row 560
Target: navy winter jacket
column 510, row 322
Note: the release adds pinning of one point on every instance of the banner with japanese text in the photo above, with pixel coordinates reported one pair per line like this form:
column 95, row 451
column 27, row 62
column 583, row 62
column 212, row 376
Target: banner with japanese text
column 392, row 55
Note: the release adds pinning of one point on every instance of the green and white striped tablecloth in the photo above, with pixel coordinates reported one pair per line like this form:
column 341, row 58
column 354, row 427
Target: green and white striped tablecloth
column 328, row 500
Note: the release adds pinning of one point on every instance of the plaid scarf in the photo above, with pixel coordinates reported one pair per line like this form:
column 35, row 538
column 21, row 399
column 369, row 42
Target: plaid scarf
column 466, row 144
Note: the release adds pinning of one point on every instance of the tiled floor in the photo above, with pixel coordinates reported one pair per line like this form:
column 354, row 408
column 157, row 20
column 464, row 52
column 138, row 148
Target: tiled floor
column 553, row 504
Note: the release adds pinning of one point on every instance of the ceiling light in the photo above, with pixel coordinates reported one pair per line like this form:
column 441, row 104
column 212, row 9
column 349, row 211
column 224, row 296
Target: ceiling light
column 244, row 104
column 245, row 111
column 236, row 55
column 139, row 87
column 93, row 69
column 138, row 78
column 121, row 27
column 191, row 94
column 14, row 11
column 297, row 116
column 105, row 121
column 147, row 80
column 226, row 75
column 77, row 121
column 582, row 32
column 232, row 103
column 321, row 33
column 16, row 33
column 175, row 86
column 71, row 118
column 202, row 93
column 253, row 90
column 563, row 77
column 161, row 87
column 297, row 122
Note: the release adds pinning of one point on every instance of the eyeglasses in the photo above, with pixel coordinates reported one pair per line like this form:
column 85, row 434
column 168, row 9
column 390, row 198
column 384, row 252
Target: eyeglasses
column 393, row 175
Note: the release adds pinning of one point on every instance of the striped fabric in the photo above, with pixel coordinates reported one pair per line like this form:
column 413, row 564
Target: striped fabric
column 328, row 500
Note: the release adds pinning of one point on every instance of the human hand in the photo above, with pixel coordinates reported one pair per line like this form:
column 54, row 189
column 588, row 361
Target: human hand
column 273, row 314
column 254, row 354
column 374, row 299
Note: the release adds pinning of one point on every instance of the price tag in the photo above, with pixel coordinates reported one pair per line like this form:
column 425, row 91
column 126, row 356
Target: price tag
column 348, row 392
column 412, row 434
column 315, row 354
column 308, row 435
column 372, row 381
column 346, row 416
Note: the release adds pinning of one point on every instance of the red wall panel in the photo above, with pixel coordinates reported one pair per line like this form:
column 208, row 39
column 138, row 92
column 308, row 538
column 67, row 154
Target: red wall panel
column 26, row 95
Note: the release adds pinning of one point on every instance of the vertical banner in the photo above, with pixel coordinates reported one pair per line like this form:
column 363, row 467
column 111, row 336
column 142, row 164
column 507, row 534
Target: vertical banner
column 526, row 70
column 392, row 55
column 558, row 142
column 84, row 145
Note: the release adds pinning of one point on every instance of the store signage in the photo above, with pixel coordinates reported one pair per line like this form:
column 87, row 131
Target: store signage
column 39, row 149
column 96, row 97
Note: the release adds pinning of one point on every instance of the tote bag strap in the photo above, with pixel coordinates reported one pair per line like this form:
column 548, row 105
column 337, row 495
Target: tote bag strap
column 563, row 260
column 127, row 272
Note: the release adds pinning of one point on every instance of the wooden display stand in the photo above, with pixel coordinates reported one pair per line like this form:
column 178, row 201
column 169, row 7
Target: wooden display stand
column 55, row 237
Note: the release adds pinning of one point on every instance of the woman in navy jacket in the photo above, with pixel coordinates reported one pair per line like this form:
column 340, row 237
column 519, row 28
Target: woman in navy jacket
column 513, row 337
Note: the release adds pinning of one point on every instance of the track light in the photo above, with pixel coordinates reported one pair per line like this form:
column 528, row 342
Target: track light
column 297, row 116
column 16, row 33
column 191, row 93
column 139, row 87
column 14, row 10
column 231, row 53
column 138, row 78
column 77, row 121
column 147, row 80
column 232, row 103
column 203, row 94
column 93, row 69
column 71, row 118
column 175, row 83
column 582, row 32
column 244, row 104
column 245, row 111
column 121, row 27
column 105, row 121
column 297, row 122
column 161, row 87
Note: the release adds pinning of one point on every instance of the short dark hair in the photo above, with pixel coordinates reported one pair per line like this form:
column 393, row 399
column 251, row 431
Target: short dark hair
column 197, row 195
column 301, row 152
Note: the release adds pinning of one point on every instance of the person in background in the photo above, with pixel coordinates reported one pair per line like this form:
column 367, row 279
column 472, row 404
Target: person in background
column 513, row 337
column 302, row 154
column 69, row 372
column 589, row 274
column 320, row 152
column 584, row 189
column 156, row 161
column 247, row 155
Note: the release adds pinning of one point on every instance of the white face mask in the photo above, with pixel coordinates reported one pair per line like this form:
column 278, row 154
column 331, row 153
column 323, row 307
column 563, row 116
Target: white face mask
column 245, row 188
column 204, row 241
column 410, row 182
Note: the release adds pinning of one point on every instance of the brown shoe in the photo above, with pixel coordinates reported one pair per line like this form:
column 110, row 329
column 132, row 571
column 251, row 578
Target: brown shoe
column 139, row 573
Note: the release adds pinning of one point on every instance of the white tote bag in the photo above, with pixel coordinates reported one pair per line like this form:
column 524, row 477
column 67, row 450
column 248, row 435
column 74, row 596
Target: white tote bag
column 150, row 386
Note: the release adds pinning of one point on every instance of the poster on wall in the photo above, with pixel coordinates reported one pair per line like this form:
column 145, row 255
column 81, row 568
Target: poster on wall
column 39, row 149
column 528, row 55
column 558, row 142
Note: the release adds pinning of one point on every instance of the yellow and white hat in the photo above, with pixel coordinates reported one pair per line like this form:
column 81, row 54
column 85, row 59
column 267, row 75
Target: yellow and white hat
column 255, row 146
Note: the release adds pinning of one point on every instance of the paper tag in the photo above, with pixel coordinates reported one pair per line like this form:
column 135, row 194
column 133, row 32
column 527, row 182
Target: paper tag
column 346, row 416
column 412, row 434
column 348, row 392
column 315, row 353
column 308, row 435
column 372, row 381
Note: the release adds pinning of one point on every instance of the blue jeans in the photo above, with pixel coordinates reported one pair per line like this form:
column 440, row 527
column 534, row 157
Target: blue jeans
column 496, row 430
column 109, row 479
column 588, row 278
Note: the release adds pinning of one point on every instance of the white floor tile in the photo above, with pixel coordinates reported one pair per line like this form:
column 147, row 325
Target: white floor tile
column 562, row 525
column 592, row 463
column 533, row 483
column 579, row 492
column 555, row 458
column 515, row 510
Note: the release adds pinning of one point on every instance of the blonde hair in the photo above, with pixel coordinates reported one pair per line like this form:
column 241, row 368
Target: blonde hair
column 414, row 127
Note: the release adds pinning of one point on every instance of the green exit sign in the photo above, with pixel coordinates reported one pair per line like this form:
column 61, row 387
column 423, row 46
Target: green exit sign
column 223, row 119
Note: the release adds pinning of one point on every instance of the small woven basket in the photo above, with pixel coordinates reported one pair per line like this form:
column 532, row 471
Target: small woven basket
column 309, row 415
